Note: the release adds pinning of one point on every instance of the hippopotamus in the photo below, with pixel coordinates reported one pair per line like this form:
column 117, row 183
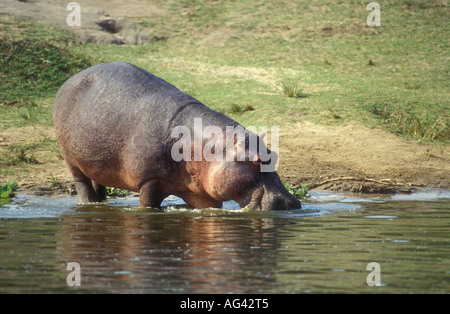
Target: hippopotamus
column 114, row 123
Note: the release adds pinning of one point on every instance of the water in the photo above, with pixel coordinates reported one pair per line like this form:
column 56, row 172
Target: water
column 323, row 248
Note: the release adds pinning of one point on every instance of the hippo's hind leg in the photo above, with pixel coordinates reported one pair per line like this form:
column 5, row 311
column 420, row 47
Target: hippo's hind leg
column 150, row 194
column 100, row 190
column 84, row 187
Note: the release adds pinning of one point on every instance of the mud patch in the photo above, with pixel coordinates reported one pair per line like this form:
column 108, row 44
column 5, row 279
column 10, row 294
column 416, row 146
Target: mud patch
column 93, row 17
column 57, row 189
column 355, row 158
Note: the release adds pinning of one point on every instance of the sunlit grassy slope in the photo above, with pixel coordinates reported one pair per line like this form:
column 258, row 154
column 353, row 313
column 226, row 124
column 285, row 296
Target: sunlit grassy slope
column 243, row 54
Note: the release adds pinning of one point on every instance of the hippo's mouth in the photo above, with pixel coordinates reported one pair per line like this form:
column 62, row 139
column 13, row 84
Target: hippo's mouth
column 263, row 199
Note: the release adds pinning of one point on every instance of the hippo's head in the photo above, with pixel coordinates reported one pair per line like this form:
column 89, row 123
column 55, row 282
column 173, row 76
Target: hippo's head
column 247, row 185
column 248, row 182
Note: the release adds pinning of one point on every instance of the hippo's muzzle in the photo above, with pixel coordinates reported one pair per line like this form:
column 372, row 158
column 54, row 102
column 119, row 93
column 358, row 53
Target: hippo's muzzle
column 272, row 195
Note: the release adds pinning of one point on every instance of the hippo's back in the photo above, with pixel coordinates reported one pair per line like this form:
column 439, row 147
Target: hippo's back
column 116, row 88
column 117, row 116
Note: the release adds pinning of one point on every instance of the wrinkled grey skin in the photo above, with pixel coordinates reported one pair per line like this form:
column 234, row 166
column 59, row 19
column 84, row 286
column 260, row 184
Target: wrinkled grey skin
column 114, row 121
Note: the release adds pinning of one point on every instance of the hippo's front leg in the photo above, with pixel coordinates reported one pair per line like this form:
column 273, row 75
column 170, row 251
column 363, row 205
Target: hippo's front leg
column 100, row 190
column 150, row 195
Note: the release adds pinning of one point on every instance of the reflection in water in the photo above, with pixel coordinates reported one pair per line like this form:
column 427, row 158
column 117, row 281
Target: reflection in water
column 170, row 252
column 323, row 249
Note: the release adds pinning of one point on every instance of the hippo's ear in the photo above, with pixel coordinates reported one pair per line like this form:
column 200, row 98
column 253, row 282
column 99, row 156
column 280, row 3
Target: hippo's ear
column 257, row 160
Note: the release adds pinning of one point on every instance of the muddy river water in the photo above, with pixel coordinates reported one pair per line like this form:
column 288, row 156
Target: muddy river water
column 324, row 248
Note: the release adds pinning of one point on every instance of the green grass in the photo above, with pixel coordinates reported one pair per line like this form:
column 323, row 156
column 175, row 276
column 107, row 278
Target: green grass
column 35, row 65
column 238, row 109
column 114, row 192
column 291, row 90
column 35, row 60
column 237, row 52
column 18, row 154
column 421, row 123
column 7, row 189
column 297, row 191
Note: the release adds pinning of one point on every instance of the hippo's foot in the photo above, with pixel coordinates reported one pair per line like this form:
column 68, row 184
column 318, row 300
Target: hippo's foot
column 150, row 194
column 100, row 190
column 88, row 191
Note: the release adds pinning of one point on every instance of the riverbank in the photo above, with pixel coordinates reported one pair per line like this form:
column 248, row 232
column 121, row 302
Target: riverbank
column 360, row 109
column 351, row 158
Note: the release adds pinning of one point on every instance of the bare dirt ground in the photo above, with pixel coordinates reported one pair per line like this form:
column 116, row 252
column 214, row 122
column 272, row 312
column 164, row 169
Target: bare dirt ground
column 55, row 12
column 355, row 158
column 350, row 158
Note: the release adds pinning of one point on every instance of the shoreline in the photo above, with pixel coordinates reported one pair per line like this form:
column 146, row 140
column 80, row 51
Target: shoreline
column 364, row 187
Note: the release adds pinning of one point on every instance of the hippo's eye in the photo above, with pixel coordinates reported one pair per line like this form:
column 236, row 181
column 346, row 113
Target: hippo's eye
column 257, row 161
